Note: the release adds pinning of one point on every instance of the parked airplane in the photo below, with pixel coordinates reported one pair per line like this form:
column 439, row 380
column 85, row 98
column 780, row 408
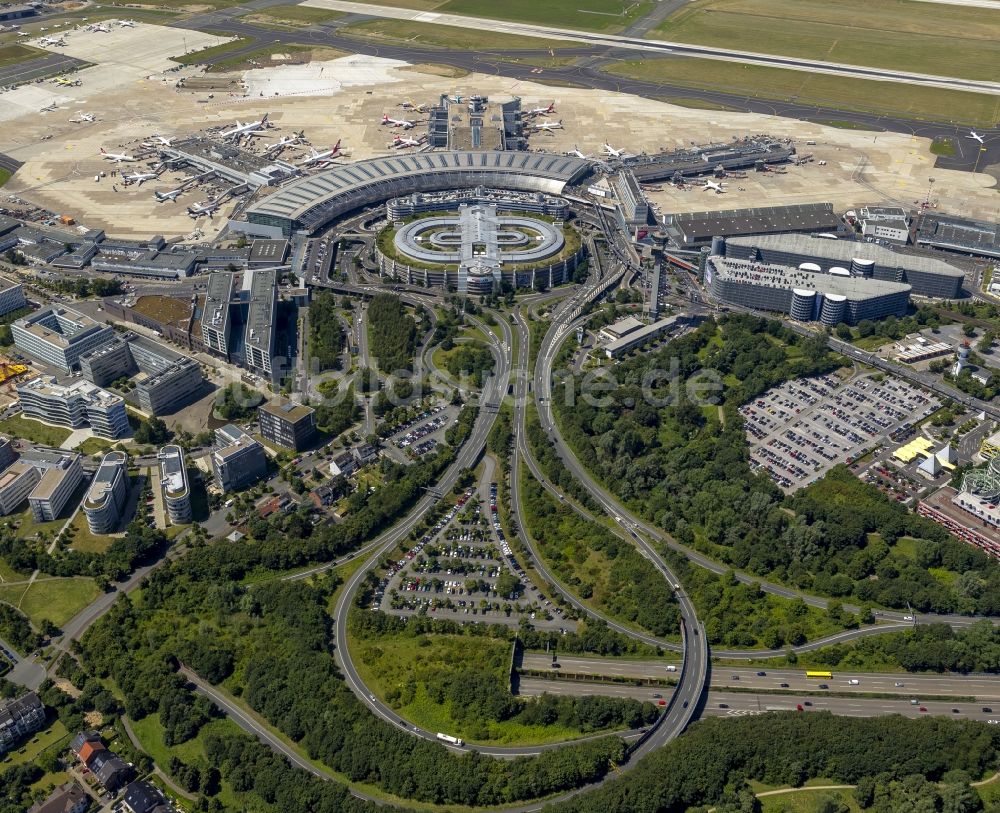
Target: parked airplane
column 139, row 177
column 612, row 152
column 50, row 41
column 65, row 81
column 409, row 105
column 325, row 157
column 575, row 152
column 406, row 125
column 164, row 140
column 715, row 187
column 117, row 157
column 541, row 111
column 126, row 23
column 83, row 117
column 973, row 134
column 173, row 194
column 285, row 141
column 241, row 128
column 199, row 209
column 548, row 125
column 398, row 142
column 98, row 27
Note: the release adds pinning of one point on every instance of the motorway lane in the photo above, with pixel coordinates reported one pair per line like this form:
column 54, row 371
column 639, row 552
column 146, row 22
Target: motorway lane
column 661, row 46
column 741, row 704
column 981, row 686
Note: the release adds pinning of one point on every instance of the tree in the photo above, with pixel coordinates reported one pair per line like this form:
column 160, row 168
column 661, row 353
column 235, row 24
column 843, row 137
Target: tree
column 151, row 430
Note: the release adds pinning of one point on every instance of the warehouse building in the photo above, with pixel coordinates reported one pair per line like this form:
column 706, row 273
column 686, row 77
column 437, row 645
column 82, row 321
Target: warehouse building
column 74, row 405
column 287, row 424
column 693, row 229
column 807, row 296
column 165, row 379
column 108, row 494
column 238, row 461
column 59, row 336
column 975, row 237
column 174, row 482
column 48, row 498
column 926, row 276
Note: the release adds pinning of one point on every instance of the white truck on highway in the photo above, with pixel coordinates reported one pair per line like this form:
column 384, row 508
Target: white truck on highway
column 457, row 741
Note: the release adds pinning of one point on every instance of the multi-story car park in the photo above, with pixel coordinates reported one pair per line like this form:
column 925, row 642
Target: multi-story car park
column 927, row 276
column 108, row 493
column 58, row 336
column 238, row 461
column 804, row 295
column 312, row 202
column 287, row 424
column 11, row 296
column 174, row 481
column 54, row 489
column 74, row 405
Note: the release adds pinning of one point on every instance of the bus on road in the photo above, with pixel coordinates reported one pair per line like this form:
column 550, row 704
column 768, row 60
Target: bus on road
column 820, row 675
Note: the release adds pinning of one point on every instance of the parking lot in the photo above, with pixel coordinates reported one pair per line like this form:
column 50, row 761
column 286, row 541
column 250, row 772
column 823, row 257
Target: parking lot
column 802, row 428
column 421, row 435
column 463, row 569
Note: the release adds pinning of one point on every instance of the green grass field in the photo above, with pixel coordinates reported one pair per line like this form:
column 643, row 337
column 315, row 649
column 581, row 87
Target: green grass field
column 55, row 736
column 584, row 15
column 15, row 53
column 865, row 96
column 150, row 734
column 808, row 801
column 35, row 431
column 83, row 540
column 447, row 36
column 94, row 446
column 894, row 34
column 292, row 16
column 197, row 57
column 52, row 599
column 264, row 57
column 5, row 175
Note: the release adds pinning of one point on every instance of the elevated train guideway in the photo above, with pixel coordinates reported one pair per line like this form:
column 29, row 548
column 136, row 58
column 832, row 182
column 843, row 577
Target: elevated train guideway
column 312, row 202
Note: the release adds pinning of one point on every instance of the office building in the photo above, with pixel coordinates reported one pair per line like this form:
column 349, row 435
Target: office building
column 643, row 334
column 216, row 321
column 631, row 206
column 165, row 380
column 888, row 223
column 7, row 452
column 258, row 341
column 174, row 482
column 11, row 296
column 58, row 336
column 16, row 483
column 927, row 276
column 48, row 498
column 264, row 253
column 108, row 494
column 804, row 295
column 19, row 718
column 74, row 405
column 287, row 424
column 239, row 461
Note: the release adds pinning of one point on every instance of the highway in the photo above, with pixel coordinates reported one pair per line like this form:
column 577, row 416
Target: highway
column 741, row 704
column 653, row 47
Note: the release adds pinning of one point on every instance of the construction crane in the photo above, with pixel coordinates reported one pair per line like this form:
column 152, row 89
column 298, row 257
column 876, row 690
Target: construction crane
column 10, row 372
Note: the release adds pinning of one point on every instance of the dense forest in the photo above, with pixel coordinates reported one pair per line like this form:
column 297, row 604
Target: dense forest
column 686, row 467
column 16, row 630
column 472, row 359
column 392, row 334
column 326, row 334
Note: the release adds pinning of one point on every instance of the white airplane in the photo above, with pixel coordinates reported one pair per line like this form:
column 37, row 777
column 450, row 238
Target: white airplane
column 139, row 177
column 52, row 41
column 199, row 209
column 325, row 157
column 547, row 125
column 398, row 142
column 98, row 27
column 541, row 111
column 117, row 157
column 715, row 187
column 173, row 194
column 406, row 125
column 575, row 152
column 241, row 128
column 284, row 141
column 612, row 152
column 973, row 134
column 409, row 105
column 83, row 117
column 164, row 140
column 126, row 23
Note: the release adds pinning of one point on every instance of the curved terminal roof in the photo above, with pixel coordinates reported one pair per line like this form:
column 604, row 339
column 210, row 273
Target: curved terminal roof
column 310, row 202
